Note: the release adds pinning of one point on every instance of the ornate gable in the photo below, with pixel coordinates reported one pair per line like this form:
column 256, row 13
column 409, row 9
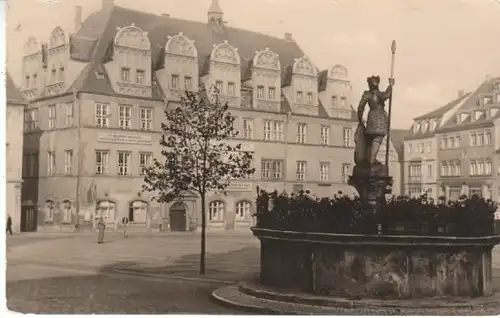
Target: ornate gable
column 132, row 37
column 338, row 72
column 267, row 59
column 225, row 53
column 32, row 46
column 304, row 66
column 58, row 38
column 181, row 45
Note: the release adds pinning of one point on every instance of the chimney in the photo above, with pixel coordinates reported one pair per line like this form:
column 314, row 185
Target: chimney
column 78, row 18
column 107, row 4
column 288, row 37
column 461, row 93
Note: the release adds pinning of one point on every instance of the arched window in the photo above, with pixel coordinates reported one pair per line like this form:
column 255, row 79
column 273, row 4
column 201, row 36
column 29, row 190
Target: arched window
column 216, row 211
column 49, row 210
column 243, row 211
column 137, row 211
column 106, row 210
column 67, row 211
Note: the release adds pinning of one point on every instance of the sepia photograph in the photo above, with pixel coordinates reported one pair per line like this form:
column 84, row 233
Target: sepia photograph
column 265, row 157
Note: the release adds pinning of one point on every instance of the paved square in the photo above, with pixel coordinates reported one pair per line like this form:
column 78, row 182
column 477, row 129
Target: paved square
column 143, row 273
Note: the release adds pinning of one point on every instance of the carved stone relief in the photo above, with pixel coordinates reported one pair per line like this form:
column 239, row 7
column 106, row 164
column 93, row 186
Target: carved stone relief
column 338, row 72
column 304, row 66
column 134, row 89
column 267, row 59
column 132, row 37
column 57, row 38
column 267, row 105
column 306, row 110
column 225, row 53
column 31, row 47
column 225, row 66
column 180, row 45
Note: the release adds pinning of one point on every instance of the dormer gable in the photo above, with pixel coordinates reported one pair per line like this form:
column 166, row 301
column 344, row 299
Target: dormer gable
column 58, row 55
column 130, row 68
column 432, row 124
column 462, row 117
column 181, row 66
column 266, row 80
column 225, row 73
column 32, row 69
column 303, row 91
column 425, row 126
column 478, row 114
column 416, row 127
column 335, row 92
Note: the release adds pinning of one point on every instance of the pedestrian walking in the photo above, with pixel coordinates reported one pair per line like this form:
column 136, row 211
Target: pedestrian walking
column 100, row 230
column 9, row 225
column 125, row 225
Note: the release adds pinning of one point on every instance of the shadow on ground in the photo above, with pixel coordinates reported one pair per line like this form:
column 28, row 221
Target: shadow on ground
column 107, row 294
column 236, row 265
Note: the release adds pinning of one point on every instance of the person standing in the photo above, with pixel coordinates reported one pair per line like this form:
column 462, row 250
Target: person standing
column 100, row 230
column 125, row 225
column 9, row 225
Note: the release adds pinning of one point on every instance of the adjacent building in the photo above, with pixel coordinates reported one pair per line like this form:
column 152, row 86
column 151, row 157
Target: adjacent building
column 468, row 142
column 421, row 162
column 97, row 98
column 14, row 152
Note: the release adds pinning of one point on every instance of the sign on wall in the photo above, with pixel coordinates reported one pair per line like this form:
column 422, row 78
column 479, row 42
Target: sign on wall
column 124, row 138
column 240, row 186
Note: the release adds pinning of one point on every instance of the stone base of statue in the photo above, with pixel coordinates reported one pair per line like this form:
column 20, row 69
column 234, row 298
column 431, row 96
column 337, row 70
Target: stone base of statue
column 372, row 183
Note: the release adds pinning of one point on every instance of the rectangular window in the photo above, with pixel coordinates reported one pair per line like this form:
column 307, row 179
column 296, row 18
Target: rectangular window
column 301, row 133
column 187, row 83
column 230, row 89
column 301, row 170
column 218, row 87
column 473, row 139
column 325, row 135
column 268, row 126
column 174, row 81
column 260, row 92
column 34, row 79
column 52, row 116
column 272, row 93
column 145, row 160
column 102, row 115
column 347, row 137
column 101, row 162
column 125, row 114
column 27, row 81
column 429, row 170
column 278, row 133
column 481, row 139
column 324, row 171
column 53, row 75
column 346, row 171
column 68, row 161
column 61, row 74
column 123, row 163
column 487, row 138
column 272, row 169
column 51, row 163
column 146, row 116
column 473, row 168
column 309, row 98
column 480, row 167
column 125, row 74
column 343, row 102
column 300, row 98
column 334, row 101
column 487, row 167
column 247, row 128
column 139, row 76
column 69, row 114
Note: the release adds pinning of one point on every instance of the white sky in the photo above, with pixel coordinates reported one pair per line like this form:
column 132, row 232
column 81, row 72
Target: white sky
column 442, row 45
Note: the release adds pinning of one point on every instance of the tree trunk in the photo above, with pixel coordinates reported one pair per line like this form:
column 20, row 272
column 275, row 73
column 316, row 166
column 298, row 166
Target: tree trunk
column 203, row 234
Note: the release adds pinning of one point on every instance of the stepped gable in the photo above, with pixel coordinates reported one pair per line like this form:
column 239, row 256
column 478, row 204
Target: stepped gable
column 101, row 27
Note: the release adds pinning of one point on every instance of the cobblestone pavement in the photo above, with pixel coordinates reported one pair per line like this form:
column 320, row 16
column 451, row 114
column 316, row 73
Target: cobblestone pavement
column 144, row 273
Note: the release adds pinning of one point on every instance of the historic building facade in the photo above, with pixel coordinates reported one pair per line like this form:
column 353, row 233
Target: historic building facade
column 467, row 145
column 421, row 167
column 97, row 102
column 14, row 152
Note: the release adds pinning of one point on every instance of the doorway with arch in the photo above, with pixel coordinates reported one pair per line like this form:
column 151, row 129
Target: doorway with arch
column 178, row 217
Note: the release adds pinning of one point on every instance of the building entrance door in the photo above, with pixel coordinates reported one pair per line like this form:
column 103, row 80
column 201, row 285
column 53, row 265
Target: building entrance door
column 177, row 217
column 28, row 218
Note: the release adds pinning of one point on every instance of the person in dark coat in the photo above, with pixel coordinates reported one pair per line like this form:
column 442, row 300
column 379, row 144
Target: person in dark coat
column 9, row 225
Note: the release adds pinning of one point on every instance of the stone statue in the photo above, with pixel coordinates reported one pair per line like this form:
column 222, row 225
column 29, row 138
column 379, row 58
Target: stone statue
column 368, row 139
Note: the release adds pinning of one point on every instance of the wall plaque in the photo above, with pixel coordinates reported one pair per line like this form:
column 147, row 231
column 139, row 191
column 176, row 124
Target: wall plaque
column 124, row 138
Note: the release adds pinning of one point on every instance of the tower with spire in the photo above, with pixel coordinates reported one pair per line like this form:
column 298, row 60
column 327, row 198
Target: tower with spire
column 215, row 13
